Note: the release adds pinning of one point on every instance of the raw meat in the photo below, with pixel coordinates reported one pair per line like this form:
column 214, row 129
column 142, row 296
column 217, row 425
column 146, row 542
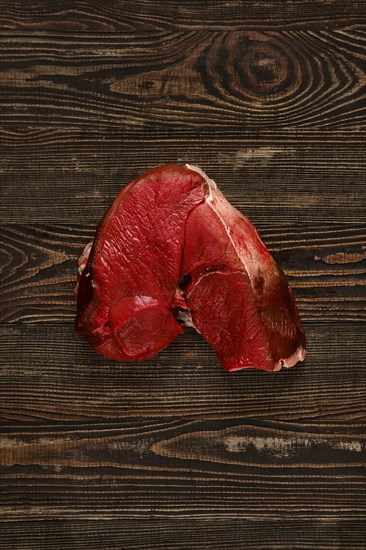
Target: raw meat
column 237, row 295
column 126, row 288
column 172, row 252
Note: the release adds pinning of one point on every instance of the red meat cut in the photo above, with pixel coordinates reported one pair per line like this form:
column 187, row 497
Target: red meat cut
column 171, row 251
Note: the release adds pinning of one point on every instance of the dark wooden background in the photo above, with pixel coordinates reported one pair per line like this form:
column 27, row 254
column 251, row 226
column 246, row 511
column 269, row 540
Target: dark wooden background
column 269, row 99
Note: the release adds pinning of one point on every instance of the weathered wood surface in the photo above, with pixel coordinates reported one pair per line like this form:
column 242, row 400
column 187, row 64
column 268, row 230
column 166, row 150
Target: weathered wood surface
column 269, row 99
column 147, row 15
column 262, row 79
column 195, row 468
column 273, row 177
column 187, row 532
column 52, row 374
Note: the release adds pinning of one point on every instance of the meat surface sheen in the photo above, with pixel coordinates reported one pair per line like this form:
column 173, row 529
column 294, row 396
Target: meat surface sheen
column 126, row 289
column 170, row 248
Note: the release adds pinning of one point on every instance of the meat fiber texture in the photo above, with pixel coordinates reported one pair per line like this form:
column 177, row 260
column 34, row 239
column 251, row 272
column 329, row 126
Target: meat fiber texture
column 172, row 252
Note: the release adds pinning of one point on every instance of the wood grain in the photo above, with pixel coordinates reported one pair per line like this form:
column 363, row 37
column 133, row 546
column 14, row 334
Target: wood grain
column 53, row 174
column 49, row 372
column 175, row 468
column 269, row 99
column 260, row 79
column 325, row 265
column 211, row 449
column 322, row 533
column 147, row 15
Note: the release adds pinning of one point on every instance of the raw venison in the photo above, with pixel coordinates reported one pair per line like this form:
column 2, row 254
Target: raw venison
column 172, row 252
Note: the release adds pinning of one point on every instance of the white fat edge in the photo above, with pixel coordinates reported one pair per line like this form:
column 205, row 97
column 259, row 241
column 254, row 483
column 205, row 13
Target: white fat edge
column 288, row 362
column 84, row 256
column 210, row 182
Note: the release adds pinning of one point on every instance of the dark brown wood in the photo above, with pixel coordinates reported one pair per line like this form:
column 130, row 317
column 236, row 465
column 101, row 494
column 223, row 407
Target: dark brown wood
column 221, row 533
column 261, row 79
column 51, row 373
column 273, row 177
column 148, row 15
column 174, row 453
column 182, row 467
column 194, row 532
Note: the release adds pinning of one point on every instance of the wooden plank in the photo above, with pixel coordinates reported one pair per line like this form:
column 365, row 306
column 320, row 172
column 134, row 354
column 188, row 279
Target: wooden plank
column 322, row 533
column 49, row 372
column 147, row 15
column 172, row 467
column 259, row 79
column 325, row 265
column 70, row 174
column 211, row 448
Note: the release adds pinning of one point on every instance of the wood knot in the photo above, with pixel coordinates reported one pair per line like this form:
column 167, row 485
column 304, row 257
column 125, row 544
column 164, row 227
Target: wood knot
column 265, row 68
column 253, row 67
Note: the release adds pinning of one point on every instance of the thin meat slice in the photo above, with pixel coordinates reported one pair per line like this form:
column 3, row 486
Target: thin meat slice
column 129, row 278
column 237, row 295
